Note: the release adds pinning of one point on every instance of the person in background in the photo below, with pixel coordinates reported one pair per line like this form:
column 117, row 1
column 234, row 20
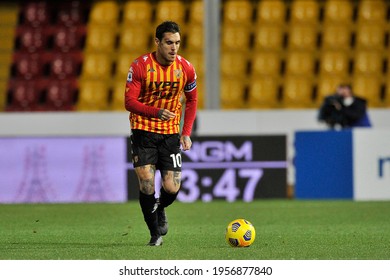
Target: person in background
column 155, row 84
column 344, row 109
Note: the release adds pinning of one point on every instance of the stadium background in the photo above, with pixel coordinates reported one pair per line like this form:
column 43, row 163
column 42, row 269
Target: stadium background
column 63, row 65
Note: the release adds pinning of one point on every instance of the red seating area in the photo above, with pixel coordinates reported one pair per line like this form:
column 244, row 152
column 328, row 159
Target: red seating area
column 48, row 55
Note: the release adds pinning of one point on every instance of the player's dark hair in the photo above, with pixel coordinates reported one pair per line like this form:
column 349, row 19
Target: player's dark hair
column 166, row 26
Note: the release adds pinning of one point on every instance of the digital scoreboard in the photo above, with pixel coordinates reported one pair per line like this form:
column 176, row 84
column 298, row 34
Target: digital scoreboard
column 228, row 168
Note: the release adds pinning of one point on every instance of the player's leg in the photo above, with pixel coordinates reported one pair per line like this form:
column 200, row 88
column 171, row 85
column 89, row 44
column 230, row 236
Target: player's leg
column 168, row 193
column 170, row 166
column 144, row 155
column 147, row 200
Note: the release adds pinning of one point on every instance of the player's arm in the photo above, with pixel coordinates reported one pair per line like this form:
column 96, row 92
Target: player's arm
column 132, row 92
column 191, row 94
column 191, row 103
column 190, row 111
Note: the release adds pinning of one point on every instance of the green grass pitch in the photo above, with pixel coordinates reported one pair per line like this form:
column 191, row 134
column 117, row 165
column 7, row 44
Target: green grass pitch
column 285, row 230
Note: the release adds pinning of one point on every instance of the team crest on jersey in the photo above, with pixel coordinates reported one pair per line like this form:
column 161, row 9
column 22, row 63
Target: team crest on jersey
column 130, row 75
column 178, row 73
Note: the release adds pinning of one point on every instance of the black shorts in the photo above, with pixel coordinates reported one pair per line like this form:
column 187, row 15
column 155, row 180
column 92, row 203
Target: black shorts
column 161, row 150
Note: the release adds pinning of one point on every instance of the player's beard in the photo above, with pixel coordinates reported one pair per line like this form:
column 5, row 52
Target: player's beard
column 171, row 57
column 166, row 57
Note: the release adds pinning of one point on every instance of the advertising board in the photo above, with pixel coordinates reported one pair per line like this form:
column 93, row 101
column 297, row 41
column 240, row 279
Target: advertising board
column 229, row 168
column 62, row 170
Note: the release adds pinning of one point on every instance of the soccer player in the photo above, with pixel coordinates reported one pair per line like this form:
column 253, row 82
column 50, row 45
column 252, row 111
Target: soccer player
column 154, row 89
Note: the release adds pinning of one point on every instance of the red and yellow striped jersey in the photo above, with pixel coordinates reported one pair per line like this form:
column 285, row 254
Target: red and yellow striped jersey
column 151, row 87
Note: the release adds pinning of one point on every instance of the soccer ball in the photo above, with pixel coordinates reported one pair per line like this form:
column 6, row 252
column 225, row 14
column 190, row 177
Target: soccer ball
column 240, row 233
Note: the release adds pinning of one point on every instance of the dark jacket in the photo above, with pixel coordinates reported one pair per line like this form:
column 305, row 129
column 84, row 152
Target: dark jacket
column 348, row 116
